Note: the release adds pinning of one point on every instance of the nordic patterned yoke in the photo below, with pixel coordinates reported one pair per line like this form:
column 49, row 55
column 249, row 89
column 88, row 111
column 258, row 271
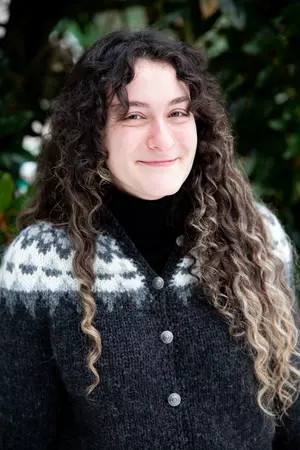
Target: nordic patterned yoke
column 171, row 377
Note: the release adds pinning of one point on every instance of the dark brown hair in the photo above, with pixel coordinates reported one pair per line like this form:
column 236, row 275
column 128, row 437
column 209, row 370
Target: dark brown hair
column 230, row 244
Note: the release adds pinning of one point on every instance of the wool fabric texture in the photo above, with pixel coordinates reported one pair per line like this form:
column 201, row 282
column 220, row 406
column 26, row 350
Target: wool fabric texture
column 171, row 376
column 152, row 225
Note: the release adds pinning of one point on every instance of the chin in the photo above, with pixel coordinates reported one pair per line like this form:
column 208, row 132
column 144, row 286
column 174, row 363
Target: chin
column 156, row 194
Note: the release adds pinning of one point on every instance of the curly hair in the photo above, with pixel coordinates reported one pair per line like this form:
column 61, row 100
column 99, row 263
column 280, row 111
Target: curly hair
column 233, row 259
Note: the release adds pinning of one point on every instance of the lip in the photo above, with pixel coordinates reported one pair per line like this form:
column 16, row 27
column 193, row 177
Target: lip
column 165, row 163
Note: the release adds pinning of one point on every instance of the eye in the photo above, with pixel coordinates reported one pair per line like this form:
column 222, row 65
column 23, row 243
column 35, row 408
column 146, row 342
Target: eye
column 178, row 114
column 134, row 117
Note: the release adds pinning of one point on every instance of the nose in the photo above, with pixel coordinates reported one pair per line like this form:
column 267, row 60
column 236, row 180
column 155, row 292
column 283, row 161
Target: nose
column 160, row 137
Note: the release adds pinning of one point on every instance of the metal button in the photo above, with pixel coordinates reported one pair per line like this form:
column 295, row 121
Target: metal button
column 180, row 241
column 167, row 337
column 158, row 283
column 174, row 399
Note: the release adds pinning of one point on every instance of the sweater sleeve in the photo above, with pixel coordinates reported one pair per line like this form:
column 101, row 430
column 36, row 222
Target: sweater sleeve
column 31, row 393
column 287, row 433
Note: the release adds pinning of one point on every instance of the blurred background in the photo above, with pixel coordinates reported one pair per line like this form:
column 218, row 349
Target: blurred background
column 253, row 48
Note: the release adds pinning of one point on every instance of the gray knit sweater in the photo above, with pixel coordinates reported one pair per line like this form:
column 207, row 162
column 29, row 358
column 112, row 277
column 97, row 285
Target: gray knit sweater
column 172, row 378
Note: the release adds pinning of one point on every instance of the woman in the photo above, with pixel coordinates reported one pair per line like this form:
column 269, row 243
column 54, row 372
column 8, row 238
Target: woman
column 145, row 303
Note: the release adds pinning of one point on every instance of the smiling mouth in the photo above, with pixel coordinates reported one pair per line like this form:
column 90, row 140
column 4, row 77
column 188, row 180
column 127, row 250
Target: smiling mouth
column 164, row 163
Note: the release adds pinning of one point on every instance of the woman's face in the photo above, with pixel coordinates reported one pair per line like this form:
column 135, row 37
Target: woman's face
column 151, row 151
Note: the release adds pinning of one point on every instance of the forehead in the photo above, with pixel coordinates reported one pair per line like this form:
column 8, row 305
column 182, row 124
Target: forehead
column 155, row 80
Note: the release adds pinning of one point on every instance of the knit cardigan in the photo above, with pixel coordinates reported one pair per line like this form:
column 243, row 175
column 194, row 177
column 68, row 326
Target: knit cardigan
column 171, row 376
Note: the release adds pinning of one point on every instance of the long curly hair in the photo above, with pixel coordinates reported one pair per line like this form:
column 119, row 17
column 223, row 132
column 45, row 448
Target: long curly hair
column 232, row 254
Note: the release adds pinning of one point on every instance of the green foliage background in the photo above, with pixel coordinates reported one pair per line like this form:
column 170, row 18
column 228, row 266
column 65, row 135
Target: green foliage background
column 253, row 50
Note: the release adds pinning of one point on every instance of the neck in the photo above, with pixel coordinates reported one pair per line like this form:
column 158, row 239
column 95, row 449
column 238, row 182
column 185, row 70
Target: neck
column 152, row 225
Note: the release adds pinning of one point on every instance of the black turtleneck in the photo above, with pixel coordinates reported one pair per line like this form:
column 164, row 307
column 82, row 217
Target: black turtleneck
column 152, row 225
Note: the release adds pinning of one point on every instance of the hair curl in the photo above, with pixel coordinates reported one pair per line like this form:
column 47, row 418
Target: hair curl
column 229, row 241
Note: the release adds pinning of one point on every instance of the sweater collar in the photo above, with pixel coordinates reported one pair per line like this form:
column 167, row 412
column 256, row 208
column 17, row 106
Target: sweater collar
column 148, row 216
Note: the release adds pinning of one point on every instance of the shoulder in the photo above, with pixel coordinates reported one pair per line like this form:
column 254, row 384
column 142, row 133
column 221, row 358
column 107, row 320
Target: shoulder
column 44, row 237
column 37, row 261
column 279, row 240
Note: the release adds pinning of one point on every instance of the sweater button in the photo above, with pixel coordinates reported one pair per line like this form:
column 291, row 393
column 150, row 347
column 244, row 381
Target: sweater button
column 180, row 241
column 174, row 399
column 158, row 283
column 167, row 337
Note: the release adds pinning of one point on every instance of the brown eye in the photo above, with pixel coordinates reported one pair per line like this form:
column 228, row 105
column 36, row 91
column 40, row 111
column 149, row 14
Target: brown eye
column 134, row 117
column 178, row 114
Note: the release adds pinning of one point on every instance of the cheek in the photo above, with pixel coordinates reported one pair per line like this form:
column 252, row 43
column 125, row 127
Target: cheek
column 123, row 143
column 187, row 139
column 116, row 145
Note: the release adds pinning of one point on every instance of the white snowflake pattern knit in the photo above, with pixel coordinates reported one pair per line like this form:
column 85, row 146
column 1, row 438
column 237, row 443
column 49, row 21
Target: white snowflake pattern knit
column 171, row 376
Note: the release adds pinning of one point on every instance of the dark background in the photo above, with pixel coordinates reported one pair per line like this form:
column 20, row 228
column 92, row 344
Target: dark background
column 253, row 48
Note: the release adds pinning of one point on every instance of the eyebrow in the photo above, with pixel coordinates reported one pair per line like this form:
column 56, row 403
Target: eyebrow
column 175, row 101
